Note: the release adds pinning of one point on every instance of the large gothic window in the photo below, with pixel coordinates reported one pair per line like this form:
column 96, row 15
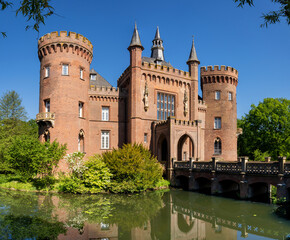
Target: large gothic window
column 217, row 146
column 165, row 106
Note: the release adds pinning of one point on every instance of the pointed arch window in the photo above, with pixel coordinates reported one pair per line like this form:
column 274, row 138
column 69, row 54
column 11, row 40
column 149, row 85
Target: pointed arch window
column 217, row 146
column 46, row 136
column 81, row 141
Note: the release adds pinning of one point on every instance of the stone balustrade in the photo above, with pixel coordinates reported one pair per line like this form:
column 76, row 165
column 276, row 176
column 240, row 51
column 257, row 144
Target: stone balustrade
column 240, row 166
column 48, row 117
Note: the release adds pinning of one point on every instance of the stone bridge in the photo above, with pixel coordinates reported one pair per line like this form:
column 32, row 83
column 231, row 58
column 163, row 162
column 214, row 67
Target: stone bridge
column 246, row 179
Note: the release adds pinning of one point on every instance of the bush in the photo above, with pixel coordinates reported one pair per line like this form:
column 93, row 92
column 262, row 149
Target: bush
column 76, row 163
column 260, row 156
column 29, row 157
column 133, row 167
column 71, row 185
column 97, row 175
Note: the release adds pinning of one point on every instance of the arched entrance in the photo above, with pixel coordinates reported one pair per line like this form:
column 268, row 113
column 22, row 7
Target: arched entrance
column 185, row 148
column 162, row 149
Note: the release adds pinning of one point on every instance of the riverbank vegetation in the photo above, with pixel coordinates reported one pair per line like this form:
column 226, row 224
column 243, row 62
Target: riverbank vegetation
column 27, row 164
column 266, row 130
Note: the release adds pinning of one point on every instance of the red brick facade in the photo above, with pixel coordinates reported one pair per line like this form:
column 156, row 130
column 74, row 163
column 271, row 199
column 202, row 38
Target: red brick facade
column 70, row 108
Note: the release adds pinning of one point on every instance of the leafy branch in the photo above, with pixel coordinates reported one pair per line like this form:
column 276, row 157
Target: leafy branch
column 271, row 17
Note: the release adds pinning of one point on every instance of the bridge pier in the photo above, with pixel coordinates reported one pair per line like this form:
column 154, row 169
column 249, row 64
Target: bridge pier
column 244, row 193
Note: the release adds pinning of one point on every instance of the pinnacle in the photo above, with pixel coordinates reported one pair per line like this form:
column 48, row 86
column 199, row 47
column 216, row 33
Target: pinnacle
column 157, row 35
column 192, row 55
column 135, row 41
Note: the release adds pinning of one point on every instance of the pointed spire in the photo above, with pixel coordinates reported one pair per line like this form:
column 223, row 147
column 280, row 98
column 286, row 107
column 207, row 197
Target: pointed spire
column 157, row 35
column 135, row 41
column 157, row 50
column 192, row 56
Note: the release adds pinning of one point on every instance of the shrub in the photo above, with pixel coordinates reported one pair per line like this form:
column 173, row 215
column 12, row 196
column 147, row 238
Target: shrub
column 71, row 185
column 260, row 156
column 76, row 163
column 97, row 175
column 133, row 168
column 29, row 157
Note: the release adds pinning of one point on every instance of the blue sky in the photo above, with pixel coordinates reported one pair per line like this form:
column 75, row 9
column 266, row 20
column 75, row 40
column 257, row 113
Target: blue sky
column 224, row 35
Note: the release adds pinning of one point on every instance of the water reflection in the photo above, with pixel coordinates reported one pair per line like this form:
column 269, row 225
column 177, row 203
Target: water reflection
column 151, row 216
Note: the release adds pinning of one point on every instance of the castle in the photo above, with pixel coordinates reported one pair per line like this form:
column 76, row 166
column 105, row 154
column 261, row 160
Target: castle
column 154, row 103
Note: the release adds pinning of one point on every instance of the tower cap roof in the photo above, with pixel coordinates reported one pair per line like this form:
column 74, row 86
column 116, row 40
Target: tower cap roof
column 135, row 41
column 192, row 55
column 157, row 34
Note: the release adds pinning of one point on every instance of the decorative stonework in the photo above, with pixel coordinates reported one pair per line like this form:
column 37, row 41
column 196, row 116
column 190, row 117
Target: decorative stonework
column 185, row 102
column 145, row 99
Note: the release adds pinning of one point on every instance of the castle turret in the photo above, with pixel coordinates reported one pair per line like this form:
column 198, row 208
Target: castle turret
column 193, row 63
column 134, row 99
column 219, row 93
column 157, row 50
column 64, row 82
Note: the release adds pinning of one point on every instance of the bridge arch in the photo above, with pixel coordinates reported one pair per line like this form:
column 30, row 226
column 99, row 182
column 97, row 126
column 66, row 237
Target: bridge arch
column 184, row 222
column 203, row 185
column 185, row 148
column 259, row 191
column 182, row 181
column 229, row 188
column 162, row 149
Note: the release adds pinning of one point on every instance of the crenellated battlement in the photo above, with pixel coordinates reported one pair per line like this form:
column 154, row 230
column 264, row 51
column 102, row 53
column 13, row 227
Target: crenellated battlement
column 221, row 74
column 165, row 69
column 64, row 41
column 218, row 70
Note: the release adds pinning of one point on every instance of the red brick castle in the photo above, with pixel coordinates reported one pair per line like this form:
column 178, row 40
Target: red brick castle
column 154, row 103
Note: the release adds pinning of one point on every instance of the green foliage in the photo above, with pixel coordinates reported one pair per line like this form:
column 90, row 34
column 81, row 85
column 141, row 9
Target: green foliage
column 28, row 157
column 33, row 10
column 97, row 176
column 133, row 167
column 10, row 107
column 71, row 185
column 162, row 184
column 76, row 163
column 267, row 128
column 259, row 156
column 273, row 16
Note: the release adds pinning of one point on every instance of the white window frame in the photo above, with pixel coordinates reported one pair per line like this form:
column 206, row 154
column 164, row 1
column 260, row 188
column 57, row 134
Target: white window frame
column 93, row 77
column 105, row 113
column 165, row 105
column 81, row 73
column 217, row 95
column 64, row 70
column 217, row 146
column 230, row 96
column 46, row 71
column 47, row 105
column 105, row 139
column 217, row 123
column 145, row 137
column 81, row 109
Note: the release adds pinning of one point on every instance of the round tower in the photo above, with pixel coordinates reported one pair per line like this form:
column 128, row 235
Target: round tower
column 64, row 82
column 218, row 86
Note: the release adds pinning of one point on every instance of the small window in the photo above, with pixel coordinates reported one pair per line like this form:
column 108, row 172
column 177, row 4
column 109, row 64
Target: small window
column 217, row 95
column 230, row 96
column 105, row 113
column 81, row 145
column 145, row 137
column 65, row 69
column 47, row 105
column 105, row 137
column 105, row 226
column 217, row 147
column 81, row 109
column 81, row 73
column 46, row 136
column 47, row 72
column 217, row 123
column 93, row 77
column 184, row 156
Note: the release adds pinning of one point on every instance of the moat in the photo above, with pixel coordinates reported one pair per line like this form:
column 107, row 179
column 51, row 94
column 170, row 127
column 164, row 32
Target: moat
column 174, row 214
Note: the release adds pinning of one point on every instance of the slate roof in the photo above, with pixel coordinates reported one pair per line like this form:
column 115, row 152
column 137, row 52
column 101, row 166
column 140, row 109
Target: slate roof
column 153, row 61
column 100, row 81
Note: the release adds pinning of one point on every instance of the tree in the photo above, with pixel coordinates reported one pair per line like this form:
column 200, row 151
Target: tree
column 267, row 128
column 33, row 10
column 273, row 16
column 10, row 107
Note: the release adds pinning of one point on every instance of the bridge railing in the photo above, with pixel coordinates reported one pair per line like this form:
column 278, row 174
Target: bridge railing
column 267, row 168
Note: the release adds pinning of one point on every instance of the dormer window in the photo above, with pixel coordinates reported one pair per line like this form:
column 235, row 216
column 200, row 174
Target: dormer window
column 93, row 77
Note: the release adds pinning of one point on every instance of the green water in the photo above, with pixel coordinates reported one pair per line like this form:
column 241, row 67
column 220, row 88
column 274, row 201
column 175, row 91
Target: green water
column 168, row 215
